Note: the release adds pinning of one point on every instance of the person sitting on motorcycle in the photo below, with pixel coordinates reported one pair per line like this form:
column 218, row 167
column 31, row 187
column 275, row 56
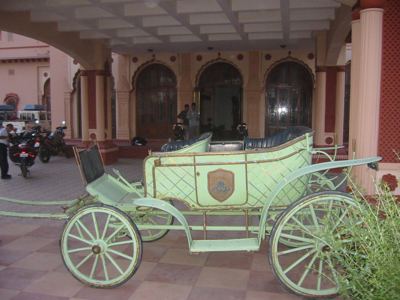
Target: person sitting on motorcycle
column 4, row 132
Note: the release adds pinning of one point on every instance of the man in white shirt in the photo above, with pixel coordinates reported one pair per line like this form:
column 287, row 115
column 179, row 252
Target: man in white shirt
column 4, row 131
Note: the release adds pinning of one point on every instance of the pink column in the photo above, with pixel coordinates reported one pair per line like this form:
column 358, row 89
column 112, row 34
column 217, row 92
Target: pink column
column 320, row 97
column 369, row 91
column 339, row 104
column 84, row 107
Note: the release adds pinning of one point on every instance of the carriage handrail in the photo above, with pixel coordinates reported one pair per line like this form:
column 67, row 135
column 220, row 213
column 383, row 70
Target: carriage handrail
column 41, row 203
column 305, row 171
column 55, row 216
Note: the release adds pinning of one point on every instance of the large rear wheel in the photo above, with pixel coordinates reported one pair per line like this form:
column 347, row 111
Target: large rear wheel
column 314, row 224
column 94, row 250
column 24, row 170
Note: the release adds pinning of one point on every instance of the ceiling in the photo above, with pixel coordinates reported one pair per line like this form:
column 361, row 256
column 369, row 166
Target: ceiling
column 186, row 25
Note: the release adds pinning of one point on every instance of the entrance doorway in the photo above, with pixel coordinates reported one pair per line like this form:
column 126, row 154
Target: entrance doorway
column 155, row 102
column 288, row 98
column 220, row 87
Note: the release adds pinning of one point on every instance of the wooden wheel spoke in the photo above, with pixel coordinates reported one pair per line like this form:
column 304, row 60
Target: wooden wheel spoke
column 314, row 217
column 103, row 262
column 319, row 279
column 307, row 270
column 80, row 239
column 121, row 243
column 297, row 238
column 96, row 259
column 96, row 227
column 340, row 219
column 114, row 263
column 120, row 254
column 333, row 270
column 79, row 249
column 85, row 229
column 105, row 227
column 85, row 259
column 297, row 262
column 115, row 233
column 296, row 249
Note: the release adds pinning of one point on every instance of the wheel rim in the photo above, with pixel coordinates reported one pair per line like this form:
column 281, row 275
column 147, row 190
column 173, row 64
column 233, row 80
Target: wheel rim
column 94, row 251
column 309, row 268
column 152, row 217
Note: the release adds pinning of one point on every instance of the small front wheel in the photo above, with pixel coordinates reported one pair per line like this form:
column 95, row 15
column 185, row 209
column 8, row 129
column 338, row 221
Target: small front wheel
column 316, row 225
column 44, row 155
column 94, row 250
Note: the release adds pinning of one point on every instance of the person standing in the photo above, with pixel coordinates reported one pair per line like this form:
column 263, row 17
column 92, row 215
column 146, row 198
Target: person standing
column 183, row 116
column 4, row 131
column 194, row 121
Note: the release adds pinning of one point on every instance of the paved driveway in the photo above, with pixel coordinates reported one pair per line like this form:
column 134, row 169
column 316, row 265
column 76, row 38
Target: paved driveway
column 31, row 266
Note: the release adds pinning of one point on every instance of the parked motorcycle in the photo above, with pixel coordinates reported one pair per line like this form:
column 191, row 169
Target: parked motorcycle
column 178, row 131
column 24, row 148
column 53, row 144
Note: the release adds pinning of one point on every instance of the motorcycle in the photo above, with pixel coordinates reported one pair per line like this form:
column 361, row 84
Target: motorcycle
column 53, row 144
column 24, row 148
column 178, row 131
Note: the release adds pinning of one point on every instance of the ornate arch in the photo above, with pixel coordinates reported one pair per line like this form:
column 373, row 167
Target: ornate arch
column 213, row 61
column 288, row 59
column 143, row 66
column 12, row 99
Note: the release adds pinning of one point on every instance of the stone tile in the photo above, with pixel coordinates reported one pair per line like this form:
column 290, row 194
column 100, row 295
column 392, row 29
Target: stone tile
column 122, row 292
column 6, row 294
column 153, row 252
column 39, row 261
column 5, row 239
column 176, row 274
column 17, row 228
column 206, row 293
column 254, row 295
column 27, row 243
column 156, row 290
column 52, row 232
column 18, row 279
column 223, row 278
column 144, row 269
column 260, row 262
column 264, row 281
column 35, row 296
column 53, row 247
column 9, row 256
column 236, row 260
column 55, row 284
column 184, row 257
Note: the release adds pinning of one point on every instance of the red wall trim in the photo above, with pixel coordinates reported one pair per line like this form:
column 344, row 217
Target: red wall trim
column 330, row 96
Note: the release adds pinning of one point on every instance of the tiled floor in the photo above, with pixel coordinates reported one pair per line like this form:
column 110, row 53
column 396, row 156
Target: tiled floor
column 31, row 266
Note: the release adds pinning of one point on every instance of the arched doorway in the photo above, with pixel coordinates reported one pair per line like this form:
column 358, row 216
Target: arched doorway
column 220, row 87
column 288, row 98
column 155, row 102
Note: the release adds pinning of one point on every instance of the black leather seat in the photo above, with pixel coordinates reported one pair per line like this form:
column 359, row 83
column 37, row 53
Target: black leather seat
column 176, row 145
column 277, row 138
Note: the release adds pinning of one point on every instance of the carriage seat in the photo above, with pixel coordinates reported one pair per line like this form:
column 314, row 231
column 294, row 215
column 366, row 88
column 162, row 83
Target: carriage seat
column 277, row 138
column 178, row 145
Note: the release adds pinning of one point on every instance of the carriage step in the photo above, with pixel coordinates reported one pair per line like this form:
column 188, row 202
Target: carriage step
column 246, row 244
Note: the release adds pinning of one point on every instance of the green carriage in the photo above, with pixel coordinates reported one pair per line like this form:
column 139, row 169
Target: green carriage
column 270, row 184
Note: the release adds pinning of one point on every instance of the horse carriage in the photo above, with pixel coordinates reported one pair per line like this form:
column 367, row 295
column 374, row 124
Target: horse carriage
column 271, row 184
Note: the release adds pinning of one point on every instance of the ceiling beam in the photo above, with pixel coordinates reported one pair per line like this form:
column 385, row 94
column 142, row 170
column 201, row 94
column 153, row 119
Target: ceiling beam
column 232, row 17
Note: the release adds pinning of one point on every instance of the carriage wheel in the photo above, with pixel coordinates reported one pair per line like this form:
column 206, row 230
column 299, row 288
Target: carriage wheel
column 309, row 268
column 146, row 216
column 94, row 251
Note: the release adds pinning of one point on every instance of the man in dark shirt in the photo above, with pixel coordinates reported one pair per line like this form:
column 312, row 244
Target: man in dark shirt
column 183, row 116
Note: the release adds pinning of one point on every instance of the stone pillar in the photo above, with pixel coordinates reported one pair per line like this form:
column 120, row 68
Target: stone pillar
column 185, row 87
column 100, row 108
column 320, row 95
column 123, row 120
column 369, row 92
column 339, row 105
column 354, row 81
column 84, row 107
column 68, row 114
column 251, row 96
column 109, row 115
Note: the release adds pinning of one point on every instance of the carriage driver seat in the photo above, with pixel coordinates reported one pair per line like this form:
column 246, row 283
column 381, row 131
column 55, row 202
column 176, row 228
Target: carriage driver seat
column 277, row 138
column 178, row 145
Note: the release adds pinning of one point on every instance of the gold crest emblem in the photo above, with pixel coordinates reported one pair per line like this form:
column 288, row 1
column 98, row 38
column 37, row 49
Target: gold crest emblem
column 221, row 184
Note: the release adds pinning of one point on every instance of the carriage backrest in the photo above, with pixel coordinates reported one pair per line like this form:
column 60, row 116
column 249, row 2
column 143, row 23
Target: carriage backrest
column 90, row 163
column 276, row 139
column 198, row 144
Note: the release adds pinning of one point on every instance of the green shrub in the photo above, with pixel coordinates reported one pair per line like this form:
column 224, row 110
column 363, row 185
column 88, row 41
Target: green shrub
column 371, row 262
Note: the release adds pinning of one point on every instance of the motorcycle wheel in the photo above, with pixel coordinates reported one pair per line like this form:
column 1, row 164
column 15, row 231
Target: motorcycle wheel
column 24, row 170
column 44, row 156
